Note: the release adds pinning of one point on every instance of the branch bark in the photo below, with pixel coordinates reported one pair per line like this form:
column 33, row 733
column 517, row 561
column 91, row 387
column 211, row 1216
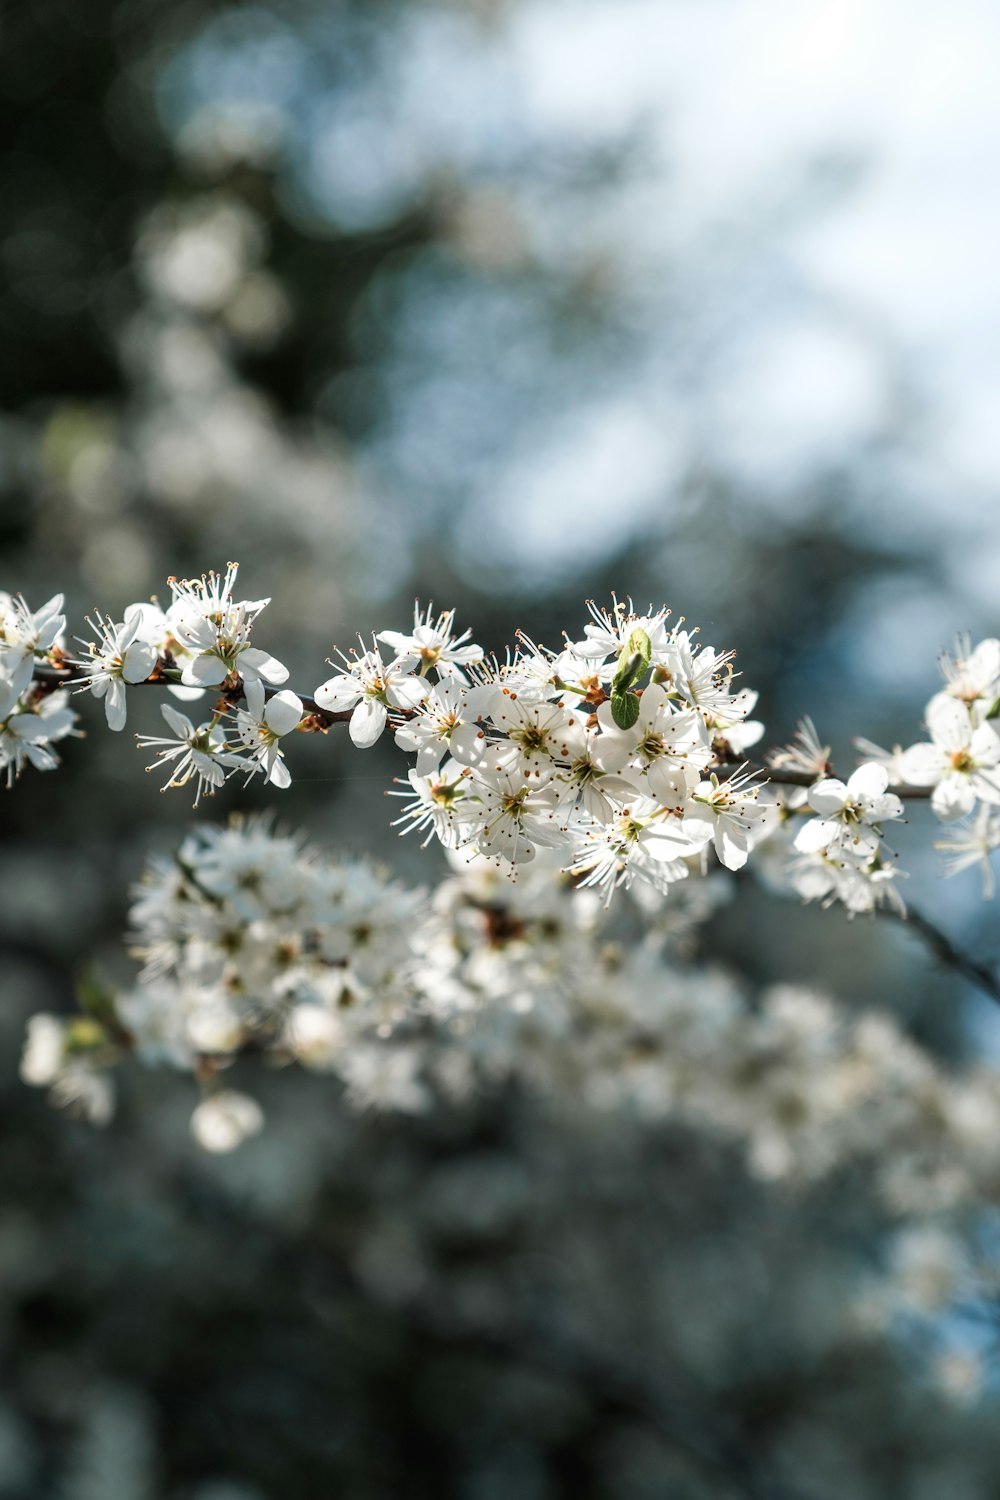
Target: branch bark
column 978, row 973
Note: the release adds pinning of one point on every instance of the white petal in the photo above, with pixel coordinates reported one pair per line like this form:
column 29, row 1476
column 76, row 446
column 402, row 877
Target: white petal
column 114, row 704
column 953, row 797
column 407, row 692
column 253, row 690
column 260, row 663
column 923, row 764
column 338, row 693
column 283, row 712
column 730, row 845
column 887, row 806
column 828, row 796
column 869, row 780
column 949, row 723
column 367, row 723
column 280, row 775
column 138, row 661
column 205, row 671
column 818, row 833
column 179, row 723
column 669, row 784
column 399, row 642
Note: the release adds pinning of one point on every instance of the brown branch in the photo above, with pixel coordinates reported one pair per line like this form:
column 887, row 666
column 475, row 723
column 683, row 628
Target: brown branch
column 982, row 975
column 50, row 679
column 806, row 778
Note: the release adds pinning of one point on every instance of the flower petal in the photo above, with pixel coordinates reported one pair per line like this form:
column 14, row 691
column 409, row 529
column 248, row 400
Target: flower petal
column 338, row 693
column 283, row 712
column 367, row 723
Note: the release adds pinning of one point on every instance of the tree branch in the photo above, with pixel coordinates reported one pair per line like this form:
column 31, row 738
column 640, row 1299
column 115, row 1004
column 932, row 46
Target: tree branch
column 805, row 778
column 982, row 975
column 50, row 679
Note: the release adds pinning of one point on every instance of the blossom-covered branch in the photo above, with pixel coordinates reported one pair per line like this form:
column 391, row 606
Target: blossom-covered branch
column 621, row 755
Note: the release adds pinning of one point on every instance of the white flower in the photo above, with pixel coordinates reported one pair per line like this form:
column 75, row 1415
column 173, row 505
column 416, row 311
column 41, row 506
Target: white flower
column 315, row 1036
column 670, row 749
column 731, row 811
column 849, row 815
column 432, row 644
column 28, row 726
column 610, row 628
column 588, row 780
column 212, row 632
column 75, row 1080
column 226, row 1119
column 637, row 842
column 805, row 753
column 191, row 753
column 25, row 634
column 973, row 675
column 120, row 656
column 704, row 679
column 891, row 759
column 971, row 844
column 435, row 805
column 536, row 735
column 262, row 724
column 538, row 675
column 445, row 709
column 383, row 1077
column 859, row 887
column 371, row 687
column 960, row 761
column 509, row 818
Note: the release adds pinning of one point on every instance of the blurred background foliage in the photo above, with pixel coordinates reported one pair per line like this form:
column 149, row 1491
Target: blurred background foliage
column 505, row 304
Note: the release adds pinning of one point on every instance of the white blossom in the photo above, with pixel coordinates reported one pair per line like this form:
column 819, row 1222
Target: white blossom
column 192, row 752
column 26, row 635
column 29, row 726
column 432, row 643
column 851, row 814
column 734, row 817
column 263, row 724
column 371, row 687
column 118, row 657
column 212, row 631
column 971, row 843
column 961, row 761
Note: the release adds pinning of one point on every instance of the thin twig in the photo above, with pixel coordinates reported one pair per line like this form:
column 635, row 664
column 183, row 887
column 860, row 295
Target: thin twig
column 806, row 778
column 982, row 975
column 52, row 678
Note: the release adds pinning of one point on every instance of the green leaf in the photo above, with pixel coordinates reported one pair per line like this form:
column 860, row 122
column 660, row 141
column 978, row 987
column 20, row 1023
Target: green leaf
column 639, row 644
column 633, row 664
column 624, row 709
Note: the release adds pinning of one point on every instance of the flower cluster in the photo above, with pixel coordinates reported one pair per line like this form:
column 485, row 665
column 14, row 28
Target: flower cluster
column 253, row 943
column 201, row 641
column 960, row 763
column 32, row 718
column 831, row 847
column 249, row 941
column 619, row 758
column 600, row 754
